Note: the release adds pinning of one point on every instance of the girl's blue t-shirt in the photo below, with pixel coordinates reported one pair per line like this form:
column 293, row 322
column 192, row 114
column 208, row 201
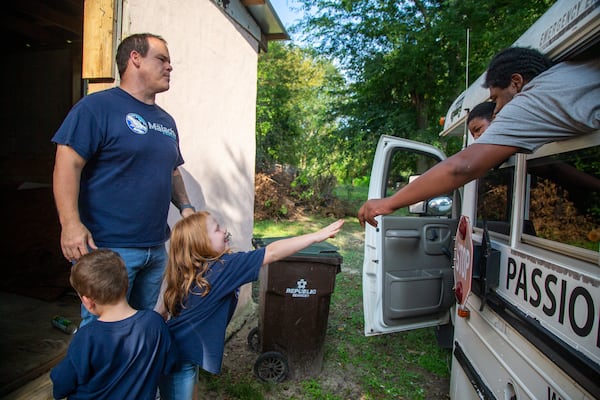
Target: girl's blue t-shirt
column 131, row 150
column 199, row 329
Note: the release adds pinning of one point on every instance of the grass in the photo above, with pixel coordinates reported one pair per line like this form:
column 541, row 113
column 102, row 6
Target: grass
column 405, row 365
column 351, row 193
column 390, row 366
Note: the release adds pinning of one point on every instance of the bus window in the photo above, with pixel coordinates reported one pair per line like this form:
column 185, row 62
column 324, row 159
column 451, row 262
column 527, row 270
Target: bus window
column 404, row 166
column 564, row 197
column 494, row 194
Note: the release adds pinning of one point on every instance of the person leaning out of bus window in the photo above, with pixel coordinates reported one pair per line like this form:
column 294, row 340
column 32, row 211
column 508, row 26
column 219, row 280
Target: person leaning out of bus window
column 480, row 117
column 536, row 103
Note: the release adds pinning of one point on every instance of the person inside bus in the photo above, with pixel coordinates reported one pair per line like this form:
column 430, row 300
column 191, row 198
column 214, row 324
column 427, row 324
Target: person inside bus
column 576, row 182
column 480, row 117
column 536, row 103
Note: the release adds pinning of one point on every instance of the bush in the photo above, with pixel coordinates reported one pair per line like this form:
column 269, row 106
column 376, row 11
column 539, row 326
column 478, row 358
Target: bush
column 281, row 194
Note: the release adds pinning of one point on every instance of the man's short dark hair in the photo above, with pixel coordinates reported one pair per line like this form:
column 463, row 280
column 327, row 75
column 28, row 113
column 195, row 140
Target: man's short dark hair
column 527, row 62
column 137, row 42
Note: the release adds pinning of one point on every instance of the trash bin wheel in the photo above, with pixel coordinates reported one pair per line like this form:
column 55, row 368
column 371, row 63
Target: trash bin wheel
column 254, row 340
column 271, row 366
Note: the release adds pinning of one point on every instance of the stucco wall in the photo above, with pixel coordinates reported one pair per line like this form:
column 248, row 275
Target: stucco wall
column 213, row 100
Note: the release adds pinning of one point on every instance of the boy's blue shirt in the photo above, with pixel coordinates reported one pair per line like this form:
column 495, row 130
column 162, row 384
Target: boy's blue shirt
column 116, row 360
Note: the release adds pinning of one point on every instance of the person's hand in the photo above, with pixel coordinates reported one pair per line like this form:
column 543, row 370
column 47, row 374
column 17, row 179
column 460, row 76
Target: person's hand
column 187, row 212
column 331, row 230
column 75, row 241
column 372, row 208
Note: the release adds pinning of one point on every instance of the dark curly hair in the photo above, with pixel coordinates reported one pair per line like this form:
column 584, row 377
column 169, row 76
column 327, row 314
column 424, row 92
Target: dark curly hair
column 527, row 62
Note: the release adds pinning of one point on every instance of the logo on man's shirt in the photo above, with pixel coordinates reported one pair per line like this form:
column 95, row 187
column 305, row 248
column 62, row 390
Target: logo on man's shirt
column 163, row 129
column 136, row 123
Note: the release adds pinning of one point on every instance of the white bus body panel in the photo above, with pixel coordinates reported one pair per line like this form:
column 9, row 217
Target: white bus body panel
column 505, row 359
column 508, row 363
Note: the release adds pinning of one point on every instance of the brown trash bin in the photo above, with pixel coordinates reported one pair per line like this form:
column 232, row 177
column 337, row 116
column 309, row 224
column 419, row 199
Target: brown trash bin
column 294, row 300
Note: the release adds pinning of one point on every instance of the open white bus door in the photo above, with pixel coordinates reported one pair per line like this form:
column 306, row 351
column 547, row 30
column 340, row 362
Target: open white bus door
column 407, row 271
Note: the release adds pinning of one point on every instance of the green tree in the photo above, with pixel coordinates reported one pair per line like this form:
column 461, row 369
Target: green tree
column 296, row 122
column 406, row 60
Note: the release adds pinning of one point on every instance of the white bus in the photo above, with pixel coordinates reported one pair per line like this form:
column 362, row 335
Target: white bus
column 534, row 326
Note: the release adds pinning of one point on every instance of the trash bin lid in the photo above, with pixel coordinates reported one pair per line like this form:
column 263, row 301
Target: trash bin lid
column 319, row 252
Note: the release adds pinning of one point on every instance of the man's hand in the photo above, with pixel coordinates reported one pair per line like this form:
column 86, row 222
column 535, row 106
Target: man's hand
column 187, row 212
column 372, row 208
column 75, row 241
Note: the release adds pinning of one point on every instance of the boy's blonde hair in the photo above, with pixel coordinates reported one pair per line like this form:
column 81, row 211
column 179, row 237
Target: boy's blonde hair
column 100, row 275
column 190, row 254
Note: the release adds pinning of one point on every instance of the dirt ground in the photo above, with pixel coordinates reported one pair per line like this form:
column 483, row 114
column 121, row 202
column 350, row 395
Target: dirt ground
column 239, row 361
column 334, row 379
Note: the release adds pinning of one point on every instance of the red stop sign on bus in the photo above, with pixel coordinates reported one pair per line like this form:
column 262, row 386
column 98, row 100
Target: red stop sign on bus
column 463, row 261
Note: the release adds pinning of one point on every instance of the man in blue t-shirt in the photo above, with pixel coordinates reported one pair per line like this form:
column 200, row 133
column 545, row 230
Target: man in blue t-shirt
column 116, row 170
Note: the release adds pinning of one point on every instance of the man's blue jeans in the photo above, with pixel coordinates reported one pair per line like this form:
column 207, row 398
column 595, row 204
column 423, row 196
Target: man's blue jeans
column 145, row 268
column 179, row 385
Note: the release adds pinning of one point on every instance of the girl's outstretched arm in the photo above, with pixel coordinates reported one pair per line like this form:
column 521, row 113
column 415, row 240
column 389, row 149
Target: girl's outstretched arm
column 286, row 247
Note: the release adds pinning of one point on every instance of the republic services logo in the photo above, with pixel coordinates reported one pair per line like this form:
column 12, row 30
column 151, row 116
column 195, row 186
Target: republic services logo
column 300, row 290
column 136, row 123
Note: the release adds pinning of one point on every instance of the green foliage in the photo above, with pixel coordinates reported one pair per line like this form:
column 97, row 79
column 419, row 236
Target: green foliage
column 351, row 193
column 281, row 211
column 296, row 124
column 312, row 390
column 313, row 188
column 247, row 389
column 374, row 67
column 279, row 229
column 361, row 181
column 588, row 161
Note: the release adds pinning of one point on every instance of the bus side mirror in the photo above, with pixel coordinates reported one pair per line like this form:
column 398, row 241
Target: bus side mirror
column 439, row 206
column 436, row 207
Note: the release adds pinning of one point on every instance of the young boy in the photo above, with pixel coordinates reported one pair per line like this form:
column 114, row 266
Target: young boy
column 480, row 117
column 123, row 353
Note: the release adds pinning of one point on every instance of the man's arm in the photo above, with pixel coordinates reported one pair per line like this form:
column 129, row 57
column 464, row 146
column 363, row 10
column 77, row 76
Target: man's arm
column 466, row 165
column 179, row 195
column 75, row 238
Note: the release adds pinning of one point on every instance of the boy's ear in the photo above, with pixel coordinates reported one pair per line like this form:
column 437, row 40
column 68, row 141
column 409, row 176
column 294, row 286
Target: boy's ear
column 518, row 81
column 88, row 303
